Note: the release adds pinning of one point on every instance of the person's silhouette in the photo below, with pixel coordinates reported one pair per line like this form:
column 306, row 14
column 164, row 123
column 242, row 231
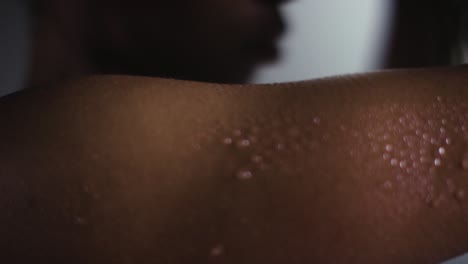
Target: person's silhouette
column 204, row 40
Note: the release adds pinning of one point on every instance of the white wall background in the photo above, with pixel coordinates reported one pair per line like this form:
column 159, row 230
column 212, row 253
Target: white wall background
column 330, row 37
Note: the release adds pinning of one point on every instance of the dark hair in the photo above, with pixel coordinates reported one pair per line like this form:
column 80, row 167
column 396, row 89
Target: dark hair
column 426, row 33
column 34, row 7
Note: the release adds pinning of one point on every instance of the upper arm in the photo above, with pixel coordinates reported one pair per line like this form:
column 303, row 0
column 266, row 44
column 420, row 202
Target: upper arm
column 326, row 171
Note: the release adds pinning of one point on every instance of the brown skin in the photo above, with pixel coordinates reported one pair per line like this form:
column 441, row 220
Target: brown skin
column 137, row 170
column 205, row 40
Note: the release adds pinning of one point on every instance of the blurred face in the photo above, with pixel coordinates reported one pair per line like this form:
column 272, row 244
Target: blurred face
column 207, row 40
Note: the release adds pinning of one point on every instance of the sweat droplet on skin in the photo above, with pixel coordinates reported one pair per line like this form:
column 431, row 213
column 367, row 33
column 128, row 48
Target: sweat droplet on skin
column 436, row 201
column 460, row 195
column 424, row 160
column 426, row 136
column 237, row 133
column 280, row 146
column 442, row 151
column 465, row 162
column 257, row 159
column 243, row 143
column 252, row 139
column 227, row 141
column 86, row 189
column 450, row 185
column 386, row 156
column 244, row 175
column 388, row 185
column 217, row 251
column 386, row 137
column 403, row 164
column 448, row 141
column 80, row 221
column 196, row 146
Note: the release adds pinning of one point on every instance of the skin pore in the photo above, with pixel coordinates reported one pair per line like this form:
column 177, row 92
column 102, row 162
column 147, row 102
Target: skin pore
column 356, row 169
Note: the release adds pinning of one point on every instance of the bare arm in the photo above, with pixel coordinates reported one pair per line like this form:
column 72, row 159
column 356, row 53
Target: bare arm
column 363, row 169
